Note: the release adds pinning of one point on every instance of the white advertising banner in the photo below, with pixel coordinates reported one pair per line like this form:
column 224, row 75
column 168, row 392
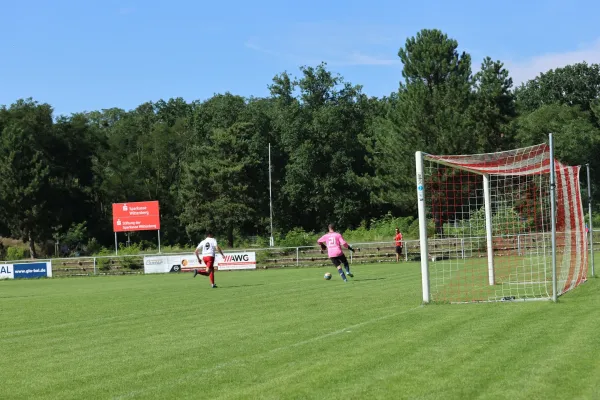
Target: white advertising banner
column 7, row 271
column 236, row 261
column 165, row 264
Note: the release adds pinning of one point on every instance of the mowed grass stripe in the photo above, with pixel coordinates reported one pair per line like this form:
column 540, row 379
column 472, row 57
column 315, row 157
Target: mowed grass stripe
column 289, row 334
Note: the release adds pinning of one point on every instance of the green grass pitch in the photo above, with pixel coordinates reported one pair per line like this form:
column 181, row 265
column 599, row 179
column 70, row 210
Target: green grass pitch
column 289, row 334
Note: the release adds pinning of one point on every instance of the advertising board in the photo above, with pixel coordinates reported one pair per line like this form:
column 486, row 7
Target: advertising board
column 26, row 270
column 6, row 271
column 138, row 216
column 189, row 262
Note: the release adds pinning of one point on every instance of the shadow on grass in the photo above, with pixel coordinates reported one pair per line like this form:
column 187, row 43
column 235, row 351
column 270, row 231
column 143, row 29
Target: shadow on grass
column 239, row 286
column 369, row 279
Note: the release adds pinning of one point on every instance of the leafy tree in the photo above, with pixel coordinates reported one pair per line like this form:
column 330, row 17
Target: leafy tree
column 141, row 160
column 428, row 113
column 216, row 188
column 172, row 111
column 25, row 172
column 259, row 113
column 72, row 149
column 436, row 93
column 576, row 137
column 285, row 117
column 493, row 108
column 391, row 155
column 320, row 131
column 573, row 85
column 220, row 111
column 565, row 101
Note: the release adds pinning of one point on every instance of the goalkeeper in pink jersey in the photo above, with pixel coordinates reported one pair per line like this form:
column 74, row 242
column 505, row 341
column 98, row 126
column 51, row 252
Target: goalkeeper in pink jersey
column 333, row 242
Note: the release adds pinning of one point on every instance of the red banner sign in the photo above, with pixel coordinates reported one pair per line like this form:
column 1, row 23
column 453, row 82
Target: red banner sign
column 140, row 216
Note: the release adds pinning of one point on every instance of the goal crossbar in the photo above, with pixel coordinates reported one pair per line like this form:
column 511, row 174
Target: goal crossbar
column 524, row 161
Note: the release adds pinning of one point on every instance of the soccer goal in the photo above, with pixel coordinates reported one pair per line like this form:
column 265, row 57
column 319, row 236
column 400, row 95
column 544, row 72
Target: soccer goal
column 486, row 226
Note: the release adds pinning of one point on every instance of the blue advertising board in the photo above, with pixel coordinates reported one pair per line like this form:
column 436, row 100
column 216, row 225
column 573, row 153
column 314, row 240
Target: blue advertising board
column 26, row 270
column 31, row 270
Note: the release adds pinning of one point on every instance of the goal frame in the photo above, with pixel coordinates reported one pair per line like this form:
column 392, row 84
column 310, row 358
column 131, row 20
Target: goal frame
column 422, row 214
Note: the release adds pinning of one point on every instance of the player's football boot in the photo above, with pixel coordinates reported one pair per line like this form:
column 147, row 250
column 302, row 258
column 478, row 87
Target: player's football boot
column 213, row 286
column 350, row 275
column 195, row 272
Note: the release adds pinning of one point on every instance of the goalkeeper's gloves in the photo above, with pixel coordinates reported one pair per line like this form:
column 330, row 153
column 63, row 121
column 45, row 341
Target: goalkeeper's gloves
column 350, row 248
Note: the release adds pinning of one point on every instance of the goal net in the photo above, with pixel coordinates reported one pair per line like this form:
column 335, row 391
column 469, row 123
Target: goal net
column 486, row 226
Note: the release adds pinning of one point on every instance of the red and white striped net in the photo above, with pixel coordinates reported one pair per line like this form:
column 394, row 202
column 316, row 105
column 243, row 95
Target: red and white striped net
column 519, row 184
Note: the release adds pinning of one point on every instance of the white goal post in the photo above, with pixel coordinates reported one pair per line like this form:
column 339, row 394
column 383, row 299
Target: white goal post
column 500, row 226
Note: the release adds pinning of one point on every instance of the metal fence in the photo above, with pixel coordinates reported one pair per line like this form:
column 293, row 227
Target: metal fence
column 272, row 257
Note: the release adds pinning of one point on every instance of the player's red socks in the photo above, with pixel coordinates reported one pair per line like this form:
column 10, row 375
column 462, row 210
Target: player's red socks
column 210, row 273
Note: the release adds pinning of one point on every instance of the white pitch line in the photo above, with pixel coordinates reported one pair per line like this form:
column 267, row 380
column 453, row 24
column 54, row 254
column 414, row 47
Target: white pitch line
column 342, row 330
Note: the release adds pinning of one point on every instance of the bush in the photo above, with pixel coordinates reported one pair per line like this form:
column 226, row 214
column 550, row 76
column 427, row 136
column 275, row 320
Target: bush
column 298, row 237
column 104, row 264
column 383, row 229
column 170, row 249
column 412, row 231
column 147, row 245
column 131, row 262
column 504, row 217
column 92, row 246
column 262, row 242
column 595, row 219
column 108, row 256
column 15, row 253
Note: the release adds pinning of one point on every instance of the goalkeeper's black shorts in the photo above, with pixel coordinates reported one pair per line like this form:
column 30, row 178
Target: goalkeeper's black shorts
column 339, row 260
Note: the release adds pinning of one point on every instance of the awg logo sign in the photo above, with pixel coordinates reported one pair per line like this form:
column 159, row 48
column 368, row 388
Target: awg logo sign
column 233, row 261
column 236, row 258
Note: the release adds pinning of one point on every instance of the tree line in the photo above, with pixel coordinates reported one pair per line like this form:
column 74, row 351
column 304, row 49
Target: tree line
column 337, row 155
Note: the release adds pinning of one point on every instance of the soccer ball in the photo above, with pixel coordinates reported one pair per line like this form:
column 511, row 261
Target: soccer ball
column 327, row 276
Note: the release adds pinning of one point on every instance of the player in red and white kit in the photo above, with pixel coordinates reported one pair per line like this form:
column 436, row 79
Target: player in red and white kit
column 399, row 244
column 208, row 247
column 334, row 241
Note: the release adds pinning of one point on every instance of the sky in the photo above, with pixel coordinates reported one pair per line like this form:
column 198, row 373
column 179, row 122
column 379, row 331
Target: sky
column 90, row 55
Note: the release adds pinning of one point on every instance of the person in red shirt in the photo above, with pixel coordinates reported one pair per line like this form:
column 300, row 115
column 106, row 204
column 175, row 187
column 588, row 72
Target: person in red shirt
column 398, row 240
